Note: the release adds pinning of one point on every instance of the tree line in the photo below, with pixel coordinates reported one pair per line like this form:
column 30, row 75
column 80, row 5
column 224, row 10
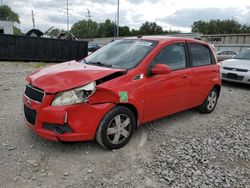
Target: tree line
column 92, row 29
column 228, row 26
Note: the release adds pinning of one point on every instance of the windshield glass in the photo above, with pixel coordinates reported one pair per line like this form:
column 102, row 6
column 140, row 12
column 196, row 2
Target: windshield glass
column 125, row 54
column 243, row 55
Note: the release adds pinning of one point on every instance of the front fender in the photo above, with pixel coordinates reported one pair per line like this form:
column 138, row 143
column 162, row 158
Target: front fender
column 103, row 95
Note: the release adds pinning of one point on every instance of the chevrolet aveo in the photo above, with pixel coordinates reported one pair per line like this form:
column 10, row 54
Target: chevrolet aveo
column 107, row 95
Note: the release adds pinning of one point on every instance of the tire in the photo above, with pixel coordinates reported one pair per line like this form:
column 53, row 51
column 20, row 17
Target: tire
column 210, row 102
column 116, row 128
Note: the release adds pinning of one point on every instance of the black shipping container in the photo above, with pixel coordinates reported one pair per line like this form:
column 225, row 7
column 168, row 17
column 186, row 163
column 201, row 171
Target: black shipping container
column 25, row 48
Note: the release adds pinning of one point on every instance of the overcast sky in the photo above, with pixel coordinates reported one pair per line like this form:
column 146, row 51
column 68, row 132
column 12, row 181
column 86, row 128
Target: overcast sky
column 174, row 14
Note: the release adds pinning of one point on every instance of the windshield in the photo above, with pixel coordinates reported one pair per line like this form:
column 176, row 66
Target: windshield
column 125, row 54
column 243, row 55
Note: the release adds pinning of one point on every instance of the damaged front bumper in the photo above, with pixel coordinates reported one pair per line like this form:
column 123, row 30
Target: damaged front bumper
column 64, row 123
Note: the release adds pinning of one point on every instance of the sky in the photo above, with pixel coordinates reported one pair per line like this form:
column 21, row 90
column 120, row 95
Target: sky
column 170, row 14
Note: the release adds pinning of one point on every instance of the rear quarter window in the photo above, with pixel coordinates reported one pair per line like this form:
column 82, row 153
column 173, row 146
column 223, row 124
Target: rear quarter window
column 200, row 55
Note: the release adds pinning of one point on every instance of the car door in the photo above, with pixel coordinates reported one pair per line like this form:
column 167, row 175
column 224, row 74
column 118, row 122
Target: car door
column 204, row 72
column 167, row 93
column 231, row 54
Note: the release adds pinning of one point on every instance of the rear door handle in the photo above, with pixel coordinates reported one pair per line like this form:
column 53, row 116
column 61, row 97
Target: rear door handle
column 184, row 76
column 214, row 70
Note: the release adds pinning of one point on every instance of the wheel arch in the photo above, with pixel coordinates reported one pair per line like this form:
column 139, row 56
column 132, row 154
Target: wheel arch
column 218, row 88
column 133, row 110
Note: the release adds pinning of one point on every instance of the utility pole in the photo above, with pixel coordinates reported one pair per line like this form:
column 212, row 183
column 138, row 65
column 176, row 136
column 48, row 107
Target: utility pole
column 115, row 26
column 118, row 12
column 67, row 13
column 67, row 8
column 2, row 2
column 89, row 15
column 33, row 19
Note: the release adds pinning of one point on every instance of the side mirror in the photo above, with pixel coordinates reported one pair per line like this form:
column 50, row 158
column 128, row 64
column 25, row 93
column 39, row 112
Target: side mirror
column 160, row 69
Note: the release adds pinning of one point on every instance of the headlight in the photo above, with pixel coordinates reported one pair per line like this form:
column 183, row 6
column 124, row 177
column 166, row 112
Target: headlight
column 74, row 96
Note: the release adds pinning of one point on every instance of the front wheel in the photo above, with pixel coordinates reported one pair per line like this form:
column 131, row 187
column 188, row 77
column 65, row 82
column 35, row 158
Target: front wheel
column 210, row 102
column 116, row 128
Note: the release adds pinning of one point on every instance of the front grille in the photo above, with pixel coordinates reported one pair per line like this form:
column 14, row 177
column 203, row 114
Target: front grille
column 30, row 115
column 34, row 93
column 232, row 76
column 235, row 69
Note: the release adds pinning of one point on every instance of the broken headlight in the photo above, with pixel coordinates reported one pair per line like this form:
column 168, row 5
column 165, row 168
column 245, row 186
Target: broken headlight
column 74, row 96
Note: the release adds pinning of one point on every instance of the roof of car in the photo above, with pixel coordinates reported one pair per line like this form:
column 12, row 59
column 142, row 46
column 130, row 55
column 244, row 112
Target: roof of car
column 161, row 38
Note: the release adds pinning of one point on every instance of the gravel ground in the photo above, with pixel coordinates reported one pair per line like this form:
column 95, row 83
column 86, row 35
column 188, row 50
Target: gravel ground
column 188, row 149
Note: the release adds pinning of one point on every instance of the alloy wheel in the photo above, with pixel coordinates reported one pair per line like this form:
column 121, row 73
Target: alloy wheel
column 211, row 100
column 119, row 129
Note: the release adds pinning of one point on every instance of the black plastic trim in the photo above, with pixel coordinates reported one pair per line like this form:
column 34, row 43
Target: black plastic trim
column 57, row 128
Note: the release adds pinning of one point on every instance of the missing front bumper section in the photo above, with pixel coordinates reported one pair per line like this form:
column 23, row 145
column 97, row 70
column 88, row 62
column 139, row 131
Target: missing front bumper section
column 56, row 128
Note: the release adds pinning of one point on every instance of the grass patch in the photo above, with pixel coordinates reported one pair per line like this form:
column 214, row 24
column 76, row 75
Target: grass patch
column 35, row 65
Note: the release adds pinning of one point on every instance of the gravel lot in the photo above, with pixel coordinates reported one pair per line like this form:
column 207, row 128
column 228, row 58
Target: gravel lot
column 188, row 149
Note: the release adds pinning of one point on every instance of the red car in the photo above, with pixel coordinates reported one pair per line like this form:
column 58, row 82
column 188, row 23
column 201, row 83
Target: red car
column 128, row 82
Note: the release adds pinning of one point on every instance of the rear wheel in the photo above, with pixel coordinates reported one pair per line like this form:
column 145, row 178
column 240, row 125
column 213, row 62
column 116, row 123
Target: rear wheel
column 116, row 128
column 210, row 102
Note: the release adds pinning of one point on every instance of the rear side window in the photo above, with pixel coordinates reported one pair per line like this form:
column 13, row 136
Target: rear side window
column 200, row 55
column 173, row 56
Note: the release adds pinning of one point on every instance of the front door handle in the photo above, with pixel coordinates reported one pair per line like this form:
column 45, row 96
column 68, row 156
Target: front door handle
column 184, row 76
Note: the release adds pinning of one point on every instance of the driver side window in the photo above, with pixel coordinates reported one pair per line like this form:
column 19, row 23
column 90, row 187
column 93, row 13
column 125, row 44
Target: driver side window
column 173, row 56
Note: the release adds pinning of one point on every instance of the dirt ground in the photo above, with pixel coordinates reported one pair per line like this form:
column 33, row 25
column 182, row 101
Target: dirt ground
column 188, row 149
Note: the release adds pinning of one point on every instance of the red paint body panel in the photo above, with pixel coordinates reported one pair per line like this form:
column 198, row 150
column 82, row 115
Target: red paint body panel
column 153, row 97
column 203, row 80
column 83, row 119
column 167, row 98
column 68, row 75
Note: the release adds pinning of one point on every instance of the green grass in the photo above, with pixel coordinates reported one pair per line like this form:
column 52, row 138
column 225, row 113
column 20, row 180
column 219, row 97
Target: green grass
column 35, row 65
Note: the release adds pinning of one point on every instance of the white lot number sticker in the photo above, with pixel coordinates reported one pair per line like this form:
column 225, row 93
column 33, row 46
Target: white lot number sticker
column 143, row 43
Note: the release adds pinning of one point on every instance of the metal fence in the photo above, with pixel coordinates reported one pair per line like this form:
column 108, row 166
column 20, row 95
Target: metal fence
column 234, row 42
column 25, row 48
column 234, row 47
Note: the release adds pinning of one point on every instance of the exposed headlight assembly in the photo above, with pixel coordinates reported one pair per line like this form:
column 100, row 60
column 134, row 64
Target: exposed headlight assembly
column 74, row 96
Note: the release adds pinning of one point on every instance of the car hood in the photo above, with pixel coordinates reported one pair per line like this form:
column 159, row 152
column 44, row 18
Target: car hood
column 68, row 75
column 236, row 63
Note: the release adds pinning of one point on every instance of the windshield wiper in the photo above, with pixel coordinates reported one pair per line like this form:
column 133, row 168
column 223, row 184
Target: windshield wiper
column 98, row 63
column 85, row 61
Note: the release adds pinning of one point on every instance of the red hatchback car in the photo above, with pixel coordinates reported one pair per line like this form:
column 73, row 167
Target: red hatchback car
column 128, row 82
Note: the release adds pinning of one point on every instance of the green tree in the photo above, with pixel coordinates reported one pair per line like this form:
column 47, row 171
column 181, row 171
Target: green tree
column 200, row 27
column 17, row 31
column 107, row 29
column 134, row 32
column 124, row 31
column 54, row 32
column 150, row 28
column 245, row 28
column 85, row 29
column 7, row 14
column 219, row 27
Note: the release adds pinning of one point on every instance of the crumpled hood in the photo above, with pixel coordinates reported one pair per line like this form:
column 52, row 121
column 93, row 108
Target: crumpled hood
column 68, row 75
column 236, row 63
